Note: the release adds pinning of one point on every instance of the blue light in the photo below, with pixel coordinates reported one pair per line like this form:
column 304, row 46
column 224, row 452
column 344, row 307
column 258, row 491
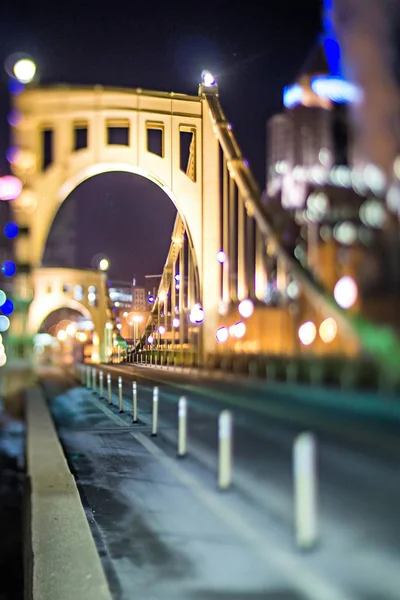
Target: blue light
column 15, row 86
column 150, row 299
column 8, row 268
column 335, row 89
column 3, row 297
column 11, row 230
column 331, row 46
column 292, row 95
column 7, row 308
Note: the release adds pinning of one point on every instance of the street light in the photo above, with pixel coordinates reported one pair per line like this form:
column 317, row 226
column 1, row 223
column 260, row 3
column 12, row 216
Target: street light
column 24, row 70
column 104, row 264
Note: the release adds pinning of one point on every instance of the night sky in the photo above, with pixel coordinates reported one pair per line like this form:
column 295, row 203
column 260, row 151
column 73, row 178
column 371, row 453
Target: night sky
column 254, row 49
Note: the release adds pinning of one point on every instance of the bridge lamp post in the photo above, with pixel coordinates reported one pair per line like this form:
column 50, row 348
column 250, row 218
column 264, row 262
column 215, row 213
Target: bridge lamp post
column 104, row 264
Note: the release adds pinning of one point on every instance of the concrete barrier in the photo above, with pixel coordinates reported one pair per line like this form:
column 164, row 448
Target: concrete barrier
column 65, row 563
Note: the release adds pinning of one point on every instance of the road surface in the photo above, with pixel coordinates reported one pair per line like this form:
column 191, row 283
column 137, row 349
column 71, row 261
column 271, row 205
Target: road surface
column 165, row 531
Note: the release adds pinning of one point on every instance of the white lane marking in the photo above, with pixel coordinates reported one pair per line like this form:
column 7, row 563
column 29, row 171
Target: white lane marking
column 302, row 577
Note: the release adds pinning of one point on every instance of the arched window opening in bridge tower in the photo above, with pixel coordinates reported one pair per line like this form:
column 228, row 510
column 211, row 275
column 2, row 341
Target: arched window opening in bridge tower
column 155, row 138
column 118, row 132
column 47, row 147
column 80, row 135
column 187, row 150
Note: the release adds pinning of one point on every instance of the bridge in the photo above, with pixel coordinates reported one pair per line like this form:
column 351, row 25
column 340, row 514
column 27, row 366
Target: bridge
column 228, row 248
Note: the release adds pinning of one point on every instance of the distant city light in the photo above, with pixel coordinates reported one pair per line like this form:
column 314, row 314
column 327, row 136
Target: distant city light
column 8, row 268
column 3, row 298
column 150, row 339
column 335, row 89
column 372, row 213
column 292, row 95
column 150, row 298
column 10, row 230
column 62, row 335
column 7, row 308
column 208, row 79
column 15, row 86
column 328, row 330
column 237, row 330
column 71, row 329
column 14, row 118
column 176, row 322
column 346, row 292
column 246, row 308
column 4, row 323
column 10, row 187
column 24, row 70
column 221, row 257
column 177, row 277
column 104, row 264
column 161, row 330
column 196, row 314
column 222, row 334
column 307, row 333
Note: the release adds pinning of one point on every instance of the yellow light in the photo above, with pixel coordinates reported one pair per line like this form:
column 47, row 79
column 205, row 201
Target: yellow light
column 138, row 319
column 307, row 333
column 24, row 70
column 62, row 335
column 346, row 292
column 71, row 329
column 104, row 264
column 328, row 330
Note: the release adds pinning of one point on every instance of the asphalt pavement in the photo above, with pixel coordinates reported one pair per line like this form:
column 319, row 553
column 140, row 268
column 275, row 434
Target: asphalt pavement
column 164, row 530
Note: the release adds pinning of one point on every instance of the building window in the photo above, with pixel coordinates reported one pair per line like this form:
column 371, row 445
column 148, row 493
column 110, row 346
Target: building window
column 118, row 132
column 66, row 288
column 80, row 136
column 47, row 147
column 187, row 150
column 155, row 138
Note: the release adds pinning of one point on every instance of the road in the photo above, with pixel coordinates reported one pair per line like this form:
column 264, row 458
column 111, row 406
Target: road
column 165, row 531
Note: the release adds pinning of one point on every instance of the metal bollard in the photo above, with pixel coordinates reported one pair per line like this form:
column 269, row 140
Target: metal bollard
column 182, row 427
column 83, row 374
column 225, row 426
column 109, row 388
column 88, row 378
column 134, row 402
column 94, row 373
column 121, row 408
column 101, row 393
column 154, row 421
column 305, row 490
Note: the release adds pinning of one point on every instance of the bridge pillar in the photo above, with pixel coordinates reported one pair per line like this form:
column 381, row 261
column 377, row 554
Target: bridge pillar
column 211, row 215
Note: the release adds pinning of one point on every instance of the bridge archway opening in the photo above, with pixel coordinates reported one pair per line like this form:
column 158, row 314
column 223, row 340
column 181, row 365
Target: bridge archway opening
column 65, row 335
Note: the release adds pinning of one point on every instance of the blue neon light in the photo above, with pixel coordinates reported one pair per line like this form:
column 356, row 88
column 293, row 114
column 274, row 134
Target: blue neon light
column 10, row 230
column 8, row 268
column 7, row 307
column 331, row 46
column 335, row 89
column 15, row 86
column 292, row 95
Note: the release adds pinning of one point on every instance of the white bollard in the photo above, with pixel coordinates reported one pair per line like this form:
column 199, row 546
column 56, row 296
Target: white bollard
column 154, row 422
column 109, row 388
column 101, row 394
column 225, row 427
column 88, row 378
column 94, row 373
column 305, row 490
column 134, row 402
column 121, row 408
column 182, row 427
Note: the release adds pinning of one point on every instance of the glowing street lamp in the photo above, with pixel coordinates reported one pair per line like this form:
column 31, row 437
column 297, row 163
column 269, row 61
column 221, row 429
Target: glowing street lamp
column 24, row 70
column 104, row 264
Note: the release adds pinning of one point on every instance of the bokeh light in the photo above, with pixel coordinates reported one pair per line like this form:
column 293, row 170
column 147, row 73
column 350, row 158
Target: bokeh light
column 222, row 334
column 161, row 330
column 4, row 323
column 15, row 86
column 14, row 118
column 246, row 308
column 62, row 335
column 221, row 257
column 3, row 297
column 328, row 330
column 10, row 187
column 237, row 330
column 8, row 268
column 196, row 314
column 24, row 70
column 346, row 292
column 7, row 308
column 10, row 230
column 307, row 333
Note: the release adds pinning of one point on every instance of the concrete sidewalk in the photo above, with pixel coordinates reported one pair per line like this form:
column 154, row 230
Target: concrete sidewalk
column 65, row 562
